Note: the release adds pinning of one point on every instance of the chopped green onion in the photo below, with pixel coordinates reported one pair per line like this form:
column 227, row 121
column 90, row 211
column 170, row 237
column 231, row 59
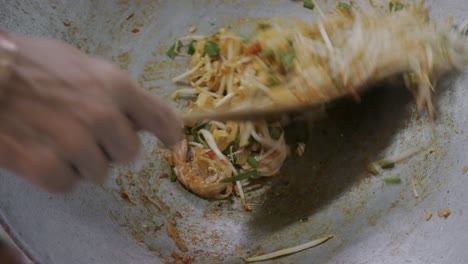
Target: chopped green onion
column 195, row 136
column 286, row 59
column 244, row 37
column 212, row 49
column 174, row 49
column 399, row 6
column 240, row 177
column 386, row 164
column 395, row 6
column 272, row 82
column 251, row 141
column 344, row 5
column 194, row 131
column 237, row 141
column 172, row 176
column 268, row 52
column 206, row 126
column 191, row 48
column 392, row 180
column 309, row 4
column 263, row 26
column 252, row 162
column 275, row 132
column 410, row 80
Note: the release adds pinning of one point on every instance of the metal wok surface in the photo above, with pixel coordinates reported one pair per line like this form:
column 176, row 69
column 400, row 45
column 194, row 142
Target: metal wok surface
column 328, row 191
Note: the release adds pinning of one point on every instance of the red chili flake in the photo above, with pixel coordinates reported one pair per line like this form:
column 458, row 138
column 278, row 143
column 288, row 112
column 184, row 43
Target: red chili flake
column 210, row 154
column 125, row 195
column 135, row 30
column 164, row 176
column 187, row 260
column 175, row 255
column 253, row 48
column 130, row 16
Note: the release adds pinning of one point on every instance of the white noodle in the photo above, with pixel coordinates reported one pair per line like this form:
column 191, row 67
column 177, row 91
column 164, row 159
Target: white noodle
column 187, row 73
column 273, row 149
column 290, row 250
column 184, row 91
column 219, row 125
column 413, row 185
column 196, row 144
column 224, row 100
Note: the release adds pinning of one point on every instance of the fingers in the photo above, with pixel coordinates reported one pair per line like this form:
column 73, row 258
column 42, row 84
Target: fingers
column 112, row 130
column 91, row 104
column 65, row 136
column 151, row 113
column 33, row 160
column 147, row 111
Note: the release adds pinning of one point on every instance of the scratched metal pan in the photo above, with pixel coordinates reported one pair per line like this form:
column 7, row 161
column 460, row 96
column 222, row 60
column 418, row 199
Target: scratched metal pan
column 328, row 191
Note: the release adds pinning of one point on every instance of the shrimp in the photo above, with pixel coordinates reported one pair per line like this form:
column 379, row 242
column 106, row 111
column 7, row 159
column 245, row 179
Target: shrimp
column 202, row 174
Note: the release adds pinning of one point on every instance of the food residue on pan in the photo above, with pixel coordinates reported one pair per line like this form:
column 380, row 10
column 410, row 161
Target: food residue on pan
column 129, row 174
column 428, row 215
column 130, row 16
column 126, row 196
column 413, row 186
column 392, row 179
column 176, row 255
column 118, row 180
column 172, row 232
column 444, row 213
column 286, row 251
column 464, row 170
column 180, row 258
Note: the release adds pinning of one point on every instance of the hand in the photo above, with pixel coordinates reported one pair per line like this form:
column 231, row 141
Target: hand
column 11, row 255
column 64, row 116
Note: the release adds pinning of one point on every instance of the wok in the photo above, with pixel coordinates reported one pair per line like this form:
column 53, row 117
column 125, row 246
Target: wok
column 327, row 191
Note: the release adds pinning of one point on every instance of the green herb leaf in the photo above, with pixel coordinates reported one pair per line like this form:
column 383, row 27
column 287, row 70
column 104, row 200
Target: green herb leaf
column 345, row 6
column 392, row 180
column 191, row 48
column 252, row 162
column 275, row 132
column 172, row 176
column 309, row 4
column 172, row 52
column 212, row 49
column 240, row 177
